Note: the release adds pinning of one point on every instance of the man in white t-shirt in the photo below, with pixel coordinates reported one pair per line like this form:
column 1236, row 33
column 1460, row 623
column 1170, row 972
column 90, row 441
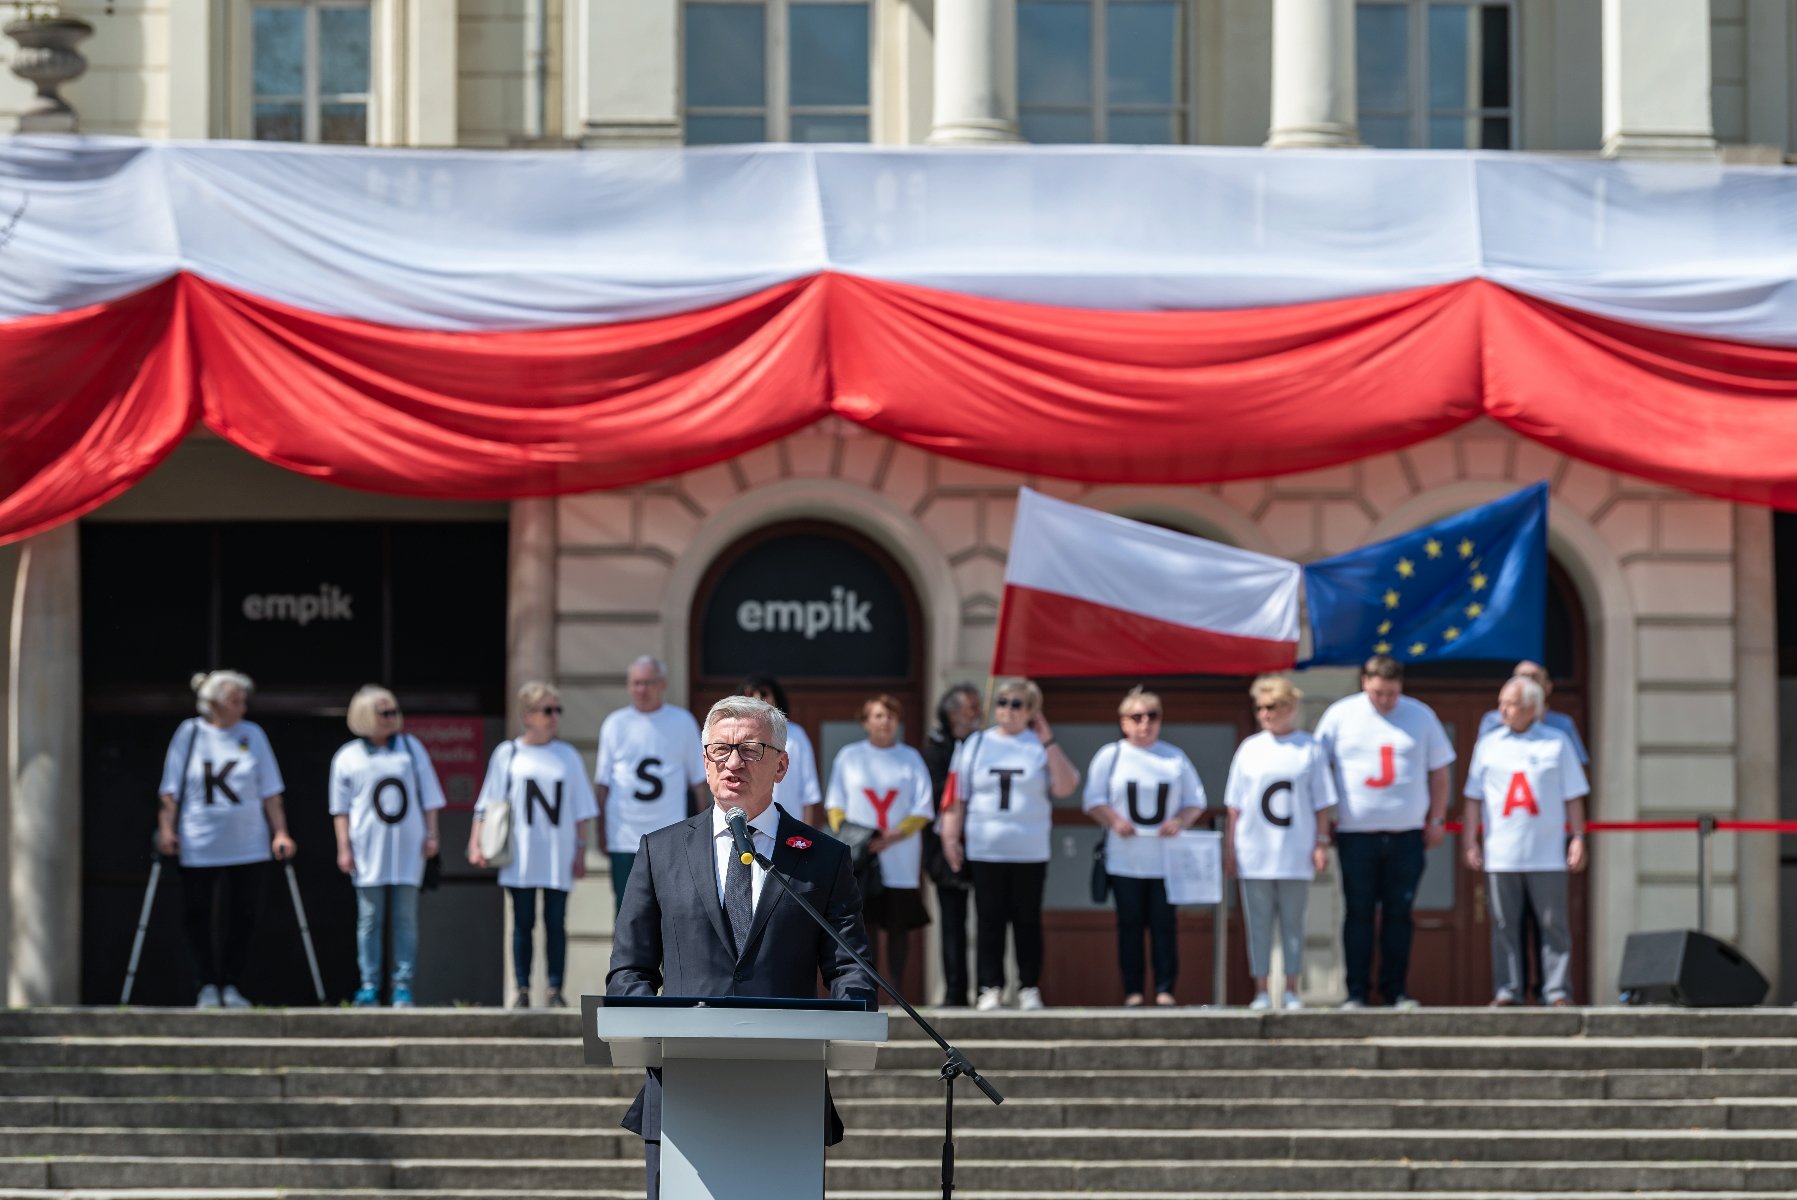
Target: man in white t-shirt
column 649, row 773
column 1553, row 720
column 1390, row 756
column 1527, row 791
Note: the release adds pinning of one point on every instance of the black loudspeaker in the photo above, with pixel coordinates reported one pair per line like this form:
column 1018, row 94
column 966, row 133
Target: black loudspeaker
column 1682, row 966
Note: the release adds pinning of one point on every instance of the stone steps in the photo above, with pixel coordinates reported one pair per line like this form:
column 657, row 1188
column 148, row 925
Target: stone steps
column 1184, row 1105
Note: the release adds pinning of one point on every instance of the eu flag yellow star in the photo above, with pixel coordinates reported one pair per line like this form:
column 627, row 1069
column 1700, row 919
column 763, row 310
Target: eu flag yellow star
column 1450, row 633
column 1432, row 548
column 1391, row 599
column 1473, row 610
column 1384, row 628
column 1417, row 648
column 1466, row 547
column 1479, row 581
column 1406, row 568
column 1381, row 647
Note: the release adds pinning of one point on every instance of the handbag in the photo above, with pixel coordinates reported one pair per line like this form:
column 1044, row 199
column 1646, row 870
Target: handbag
column 496, row 823
column 863, row 862
column 1101, row 878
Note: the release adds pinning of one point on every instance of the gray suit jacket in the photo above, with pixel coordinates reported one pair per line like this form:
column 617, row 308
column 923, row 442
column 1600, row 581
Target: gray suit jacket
column 671, row 937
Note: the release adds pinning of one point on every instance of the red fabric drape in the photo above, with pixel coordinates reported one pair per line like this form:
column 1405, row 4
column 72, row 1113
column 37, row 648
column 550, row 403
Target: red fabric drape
column 1132, row 397
column 498, row 415
column 91, row 400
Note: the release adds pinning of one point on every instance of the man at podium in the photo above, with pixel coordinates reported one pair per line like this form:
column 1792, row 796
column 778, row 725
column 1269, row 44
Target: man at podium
column 697, row 921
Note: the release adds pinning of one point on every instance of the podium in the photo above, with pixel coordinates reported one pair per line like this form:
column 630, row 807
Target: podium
column 742, row 1084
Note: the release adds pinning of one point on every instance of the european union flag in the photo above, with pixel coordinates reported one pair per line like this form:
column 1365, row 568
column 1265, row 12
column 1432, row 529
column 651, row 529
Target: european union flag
column 1472, row 586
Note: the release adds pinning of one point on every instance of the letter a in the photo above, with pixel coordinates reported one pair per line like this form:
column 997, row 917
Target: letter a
column 1520, row 795
column 1388, row 769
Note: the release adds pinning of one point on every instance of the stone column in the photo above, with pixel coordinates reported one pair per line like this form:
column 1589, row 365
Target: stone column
column 1756, row 738
column 622, row 79
column 1314, row 102
column 976, row 72
column 530, row 599
column 44, row 768
column 1656, row 75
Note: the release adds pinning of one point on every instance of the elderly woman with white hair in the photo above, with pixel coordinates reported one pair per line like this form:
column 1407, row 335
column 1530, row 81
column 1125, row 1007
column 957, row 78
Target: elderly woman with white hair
column 222, row 814
column 1525, row 828
column 384, row 797
column 553, row 810
column 996, row 815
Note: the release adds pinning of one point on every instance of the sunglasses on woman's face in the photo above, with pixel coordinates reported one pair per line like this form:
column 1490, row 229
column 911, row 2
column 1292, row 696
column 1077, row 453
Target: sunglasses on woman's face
column 386, row 714
column 1260, row 708
column 549, row 710
column 1010, row 702
column 1143, row 716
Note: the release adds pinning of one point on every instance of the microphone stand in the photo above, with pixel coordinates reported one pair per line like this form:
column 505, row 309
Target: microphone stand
column 956, row 1065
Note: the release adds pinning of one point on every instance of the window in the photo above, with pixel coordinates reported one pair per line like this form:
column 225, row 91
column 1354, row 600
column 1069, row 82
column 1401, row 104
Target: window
column 776, row 71
column 1101, row 71
column 1436, row 74
column 310, row 71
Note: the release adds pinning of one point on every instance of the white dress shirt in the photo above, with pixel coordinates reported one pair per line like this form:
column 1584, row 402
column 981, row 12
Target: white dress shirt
column 761, row 832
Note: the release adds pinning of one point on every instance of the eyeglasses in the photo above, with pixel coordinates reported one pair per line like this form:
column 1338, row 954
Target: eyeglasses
column 750, row 752
column 1010, row 702
column 1143, row 716
column 549, row 710
column 386, row 714
column 1268, row 707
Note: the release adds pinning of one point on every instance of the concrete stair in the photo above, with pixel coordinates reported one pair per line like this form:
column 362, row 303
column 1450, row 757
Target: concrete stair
column 160, row 1104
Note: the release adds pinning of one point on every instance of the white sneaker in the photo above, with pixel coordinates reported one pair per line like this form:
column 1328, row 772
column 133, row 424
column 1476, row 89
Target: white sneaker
column 1405, row 1004
column 990, row 999
column 1292, row 1000
column 1353, row 1003
column 208, row 997
column 234, row 998
column 1030, row 998
column 1261, row 1002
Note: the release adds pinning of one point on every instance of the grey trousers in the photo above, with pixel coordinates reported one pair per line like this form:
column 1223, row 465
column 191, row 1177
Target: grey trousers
column 1545, row 892
column 1262, row 900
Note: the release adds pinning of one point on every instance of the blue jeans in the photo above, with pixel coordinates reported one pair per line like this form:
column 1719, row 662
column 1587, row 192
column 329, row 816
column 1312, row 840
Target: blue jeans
column 372, row 906
column 555, row 933
column 1380, row 872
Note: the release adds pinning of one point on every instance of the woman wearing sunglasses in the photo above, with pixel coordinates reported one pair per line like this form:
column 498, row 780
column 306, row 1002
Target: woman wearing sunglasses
column 1141, row 790
column 553, row 809
column 1280, row 795
column 995, row 816
column 384, row 801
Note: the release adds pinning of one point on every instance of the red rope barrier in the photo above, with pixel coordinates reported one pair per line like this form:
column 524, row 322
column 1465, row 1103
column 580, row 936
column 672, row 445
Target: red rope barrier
column 1672, row 827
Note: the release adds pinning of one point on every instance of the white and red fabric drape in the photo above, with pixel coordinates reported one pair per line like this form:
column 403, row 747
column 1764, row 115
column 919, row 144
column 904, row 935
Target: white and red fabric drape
column 471, row 324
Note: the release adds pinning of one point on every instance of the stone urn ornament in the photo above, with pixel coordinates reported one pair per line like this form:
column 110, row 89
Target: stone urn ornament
column 47, row 59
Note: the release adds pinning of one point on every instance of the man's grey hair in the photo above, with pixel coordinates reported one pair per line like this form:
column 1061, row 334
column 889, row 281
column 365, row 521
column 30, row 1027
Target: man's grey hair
column 1531, row 692
column 649, row 660
column 747, row 708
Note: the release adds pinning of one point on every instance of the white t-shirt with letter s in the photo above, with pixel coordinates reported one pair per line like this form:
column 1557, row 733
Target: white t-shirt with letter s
column 649, row 762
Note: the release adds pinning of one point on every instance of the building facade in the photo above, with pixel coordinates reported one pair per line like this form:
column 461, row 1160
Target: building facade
column 1666, row 605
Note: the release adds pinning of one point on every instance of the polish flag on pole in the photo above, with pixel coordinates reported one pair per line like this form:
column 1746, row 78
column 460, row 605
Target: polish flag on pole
column 1087, row 593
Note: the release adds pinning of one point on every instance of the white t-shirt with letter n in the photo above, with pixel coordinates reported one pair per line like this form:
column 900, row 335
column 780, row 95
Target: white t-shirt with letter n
column 1001, row 782
column 1382, row 763
column 650, row 762
column 548, row 791
column 1276, row 787
column 1146, row 786
column 385, row 792
column 880, row 788
column 229, row 773
column 1523, row 781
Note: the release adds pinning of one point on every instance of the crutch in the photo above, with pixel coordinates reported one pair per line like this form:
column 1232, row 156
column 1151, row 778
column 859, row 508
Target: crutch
column 299, row 910
column 143, row 920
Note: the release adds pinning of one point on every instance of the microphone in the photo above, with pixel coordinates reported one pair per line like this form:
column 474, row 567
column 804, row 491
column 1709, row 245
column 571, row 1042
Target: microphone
column 738, row 821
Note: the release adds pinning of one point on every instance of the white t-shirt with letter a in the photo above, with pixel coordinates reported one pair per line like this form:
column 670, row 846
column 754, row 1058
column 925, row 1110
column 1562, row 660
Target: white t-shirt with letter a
column 649, row 762
column 1522, row 782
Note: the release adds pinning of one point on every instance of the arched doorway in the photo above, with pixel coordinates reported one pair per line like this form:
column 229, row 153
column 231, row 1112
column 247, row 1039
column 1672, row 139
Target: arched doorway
column 830, row 614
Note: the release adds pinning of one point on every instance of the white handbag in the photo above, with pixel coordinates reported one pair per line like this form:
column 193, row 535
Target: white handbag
column 496, row 824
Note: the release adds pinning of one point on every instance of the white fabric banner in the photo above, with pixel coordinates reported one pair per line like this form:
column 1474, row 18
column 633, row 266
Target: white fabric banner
column 523, row 239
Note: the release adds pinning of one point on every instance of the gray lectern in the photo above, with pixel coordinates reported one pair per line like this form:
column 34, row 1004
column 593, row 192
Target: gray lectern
column 742, row 1085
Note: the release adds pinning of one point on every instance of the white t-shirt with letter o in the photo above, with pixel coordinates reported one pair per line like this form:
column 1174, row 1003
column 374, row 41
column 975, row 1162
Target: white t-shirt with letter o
column 548, row 791
column 1001, row 783
column 649, row 761
column 1277, row 785
column 229, row 773
column 1147, row 786
column 1382, row 763
column 880, row 788
column 385, row 792
column 1522, row 782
